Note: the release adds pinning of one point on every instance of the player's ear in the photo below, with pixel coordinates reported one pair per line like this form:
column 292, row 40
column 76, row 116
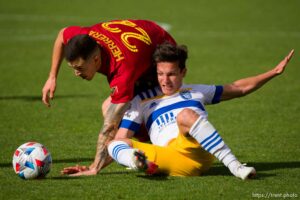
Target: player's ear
column 97, row 55
column 97, row 58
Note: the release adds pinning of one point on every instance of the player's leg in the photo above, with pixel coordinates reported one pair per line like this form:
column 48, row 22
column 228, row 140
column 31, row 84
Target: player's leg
column 190, row 123
column 154, row 159
column 122, row 151
column 170, row 161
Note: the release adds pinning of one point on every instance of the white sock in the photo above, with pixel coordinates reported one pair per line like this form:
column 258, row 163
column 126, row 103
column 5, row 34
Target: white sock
column 233, row 166
column 122, row 153
column 208, row 137
column 229, row 160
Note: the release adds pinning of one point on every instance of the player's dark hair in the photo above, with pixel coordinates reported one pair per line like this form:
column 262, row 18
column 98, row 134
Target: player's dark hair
column 80, row 46
column 168, row 52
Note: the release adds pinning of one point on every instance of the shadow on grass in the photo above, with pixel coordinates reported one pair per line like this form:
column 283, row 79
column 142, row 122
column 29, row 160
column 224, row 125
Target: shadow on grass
column 66, row 177
column 73, row 160
column 152, row 177
column 63, row 177
column 217, row 170
column 159, row 177
column 70, row 160
column 261, row 167
column 39, row 97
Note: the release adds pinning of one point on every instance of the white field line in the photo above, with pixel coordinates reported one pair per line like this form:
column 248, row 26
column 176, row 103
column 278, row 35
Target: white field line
column 165, row 26
column 31, row 35
column 41, row 18
column 26, row 36
column 239, row 33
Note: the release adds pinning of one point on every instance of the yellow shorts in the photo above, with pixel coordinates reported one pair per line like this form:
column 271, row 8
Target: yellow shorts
column 183, row 156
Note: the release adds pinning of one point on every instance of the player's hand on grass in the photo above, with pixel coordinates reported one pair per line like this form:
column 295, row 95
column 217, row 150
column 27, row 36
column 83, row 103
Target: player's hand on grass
column 74, row 169
column 79, row 171
column 279, row 69
column 48, row 91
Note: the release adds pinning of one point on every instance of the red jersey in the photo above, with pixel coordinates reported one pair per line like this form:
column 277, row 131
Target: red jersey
column 126, row 50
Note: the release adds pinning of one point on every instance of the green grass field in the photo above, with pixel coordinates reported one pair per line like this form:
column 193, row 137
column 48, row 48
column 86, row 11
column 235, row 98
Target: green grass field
column 227, row 40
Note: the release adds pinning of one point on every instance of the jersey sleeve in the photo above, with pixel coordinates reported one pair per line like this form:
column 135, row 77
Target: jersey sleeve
column 211, row 93
column 217, row 94
column 132, row 118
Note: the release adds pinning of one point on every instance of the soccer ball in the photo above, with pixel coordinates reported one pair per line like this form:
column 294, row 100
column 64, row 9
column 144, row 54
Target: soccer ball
column 32, row 160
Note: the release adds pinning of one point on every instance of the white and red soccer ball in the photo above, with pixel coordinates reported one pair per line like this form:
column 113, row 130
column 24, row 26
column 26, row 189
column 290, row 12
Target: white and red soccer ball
column 32, row 160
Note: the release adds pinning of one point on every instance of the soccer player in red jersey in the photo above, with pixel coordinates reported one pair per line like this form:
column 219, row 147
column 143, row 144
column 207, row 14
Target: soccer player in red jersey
column 119, row 49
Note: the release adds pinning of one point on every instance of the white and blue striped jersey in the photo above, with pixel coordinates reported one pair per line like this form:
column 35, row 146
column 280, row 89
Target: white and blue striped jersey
column 158, row 111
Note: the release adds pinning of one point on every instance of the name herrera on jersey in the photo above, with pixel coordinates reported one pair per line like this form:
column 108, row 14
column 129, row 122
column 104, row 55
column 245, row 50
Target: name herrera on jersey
column 117, row 53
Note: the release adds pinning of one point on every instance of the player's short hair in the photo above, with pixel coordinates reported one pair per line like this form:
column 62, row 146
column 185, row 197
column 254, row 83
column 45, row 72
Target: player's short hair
column 80, row 46
column 168, row 52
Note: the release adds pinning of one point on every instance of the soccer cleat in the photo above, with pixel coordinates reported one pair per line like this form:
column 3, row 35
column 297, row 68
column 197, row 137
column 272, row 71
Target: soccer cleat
column 141, row 163
column 245, row 172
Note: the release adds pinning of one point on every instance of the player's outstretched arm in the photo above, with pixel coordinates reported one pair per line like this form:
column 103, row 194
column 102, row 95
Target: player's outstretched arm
column 112, row 119
column 248, row 85
column 78, row 170
column 57, row 56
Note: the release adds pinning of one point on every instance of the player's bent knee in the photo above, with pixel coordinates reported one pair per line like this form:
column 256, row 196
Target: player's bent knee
column 187, row 117
column 185, row 120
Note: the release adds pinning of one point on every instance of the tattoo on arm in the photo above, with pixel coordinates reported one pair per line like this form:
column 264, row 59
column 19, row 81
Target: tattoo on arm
column 112, row 119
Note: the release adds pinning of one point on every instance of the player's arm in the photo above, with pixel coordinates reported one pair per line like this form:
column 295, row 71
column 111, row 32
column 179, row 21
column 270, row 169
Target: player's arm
column 112, row 119
column 113, row 116
column 122, row 133
column 57, row 57
column 248, row 85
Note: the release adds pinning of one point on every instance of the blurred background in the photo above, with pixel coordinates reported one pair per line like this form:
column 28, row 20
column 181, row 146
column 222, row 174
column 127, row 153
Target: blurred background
column 227, row 40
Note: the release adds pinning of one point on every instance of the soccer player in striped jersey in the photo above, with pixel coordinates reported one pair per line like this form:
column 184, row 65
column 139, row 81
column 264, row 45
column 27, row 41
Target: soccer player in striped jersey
column 184, row 142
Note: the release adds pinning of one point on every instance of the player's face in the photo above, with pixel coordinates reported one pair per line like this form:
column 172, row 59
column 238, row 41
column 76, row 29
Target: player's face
column 170, row 77
column 86, row 69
